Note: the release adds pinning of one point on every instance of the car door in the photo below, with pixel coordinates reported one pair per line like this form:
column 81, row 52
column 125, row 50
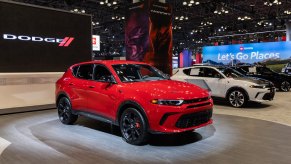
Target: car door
column 194, row 76
column 78, row 86
column 215, row 80
column 266, row 73
column 102, row 92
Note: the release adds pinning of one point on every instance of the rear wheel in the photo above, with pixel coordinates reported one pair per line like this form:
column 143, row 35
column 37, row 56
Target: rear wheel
column 65, row 111
column 133, row 126
column 285, row 86
column 237, row 98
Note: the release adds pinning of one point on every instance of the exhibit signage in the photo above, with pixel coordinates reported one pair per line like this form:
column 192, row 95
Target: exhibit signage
column 246, row 53
column 96, row 42
column 38, row 39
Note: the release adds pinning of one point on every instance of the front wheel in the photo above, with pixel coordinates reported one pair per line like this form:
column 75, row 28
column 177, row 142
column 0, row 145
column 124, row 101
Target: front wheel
column 237, row 98
column 133, row 126
column 65, row 112
column 285, row 86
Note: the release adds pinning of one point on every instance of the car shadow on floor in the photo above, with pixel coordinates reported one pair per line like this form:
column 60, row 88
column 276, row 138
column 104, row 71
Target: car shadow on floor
column 249, row 105
column 177, row 139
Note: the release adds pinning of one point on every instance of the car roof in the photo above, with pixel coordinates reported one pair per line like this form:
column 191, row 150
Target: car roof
column 109, row 62
column 203, row 66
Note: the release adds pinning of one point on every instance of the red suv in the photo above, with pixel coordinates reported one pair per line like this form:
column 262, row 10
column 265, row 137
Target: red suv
column 135, row 96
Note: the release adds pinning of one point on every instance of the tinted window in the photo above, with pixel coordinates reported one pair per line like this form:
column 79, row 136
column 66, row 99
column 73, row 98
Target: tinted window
column 212, row 73
column 85, row 72
column 194, row 72
column 75, row 70
column 102, row 74
column 138, row 72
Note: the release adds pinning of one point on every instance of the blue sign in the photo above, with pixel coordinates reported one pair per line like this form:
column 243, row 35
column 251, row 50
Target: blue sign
column 246, row 53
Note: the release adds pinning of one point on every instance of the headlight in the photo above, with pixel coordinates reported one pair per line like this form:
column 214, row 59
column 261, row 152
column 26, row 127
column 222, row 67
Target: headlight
column 258, row 86
column 168, row 102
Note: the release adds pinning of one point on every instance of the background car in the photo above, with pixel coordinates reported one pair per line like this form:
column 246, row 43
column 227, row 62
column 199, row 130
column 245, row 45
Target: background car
column 135, row 96
column 228, row 83
column 287, row 68
column 280, row 80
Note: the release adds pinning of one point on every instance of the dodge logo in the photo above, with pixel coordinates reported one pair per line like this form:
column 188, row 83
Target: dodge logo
column 62, row 42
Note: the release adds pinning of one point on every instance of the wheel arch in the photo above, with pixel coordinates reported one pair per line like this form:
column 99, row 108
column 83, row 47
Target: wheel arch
column 61, row 95
column 127, row 104
column 237, row 88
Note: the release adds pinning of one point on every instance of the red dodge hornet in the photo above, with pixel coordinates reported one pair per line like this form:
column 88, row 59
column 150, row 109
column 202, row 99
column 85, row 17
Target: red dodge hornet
column 135, row 96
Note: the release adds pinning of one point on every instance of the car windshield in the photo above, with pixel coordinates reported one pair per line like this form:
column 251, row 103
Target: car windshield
column 138, row 73
column 231, row 73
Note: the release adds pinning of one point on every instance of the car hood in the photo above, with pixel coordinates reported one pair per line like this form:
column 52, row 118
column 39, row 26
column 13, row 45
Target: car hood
column 169, row 89
column 285, row 75
column 254, row 80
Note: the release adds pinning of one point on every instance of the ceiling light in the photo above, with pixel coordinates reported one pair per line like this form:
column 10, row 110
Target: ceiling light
column 83, row 11
column 191, row 1
column 101, row 3
column 190, row 4
column 114, row 2
column 184, row 3
column 197, row 3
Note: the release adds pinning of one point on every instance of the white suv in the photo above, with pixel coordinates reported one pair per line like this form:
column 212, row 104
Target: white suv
column 228, row 83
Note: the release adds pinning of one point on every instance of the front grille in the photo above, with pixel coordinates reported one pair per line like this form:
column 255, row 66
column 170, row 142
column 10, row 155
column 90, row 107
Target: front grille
column 195, row 100
column 198, row 105
column 269, row 96
column 194, row 119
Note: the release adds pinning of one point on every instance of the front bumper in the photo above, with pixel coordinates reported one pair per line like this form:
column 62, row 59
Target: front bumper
column 261, row 95
column 176, row 119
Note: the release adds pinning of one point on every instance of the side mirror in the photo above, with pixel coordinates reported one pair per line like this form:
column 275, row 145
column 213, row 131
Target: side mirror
column 168, row 76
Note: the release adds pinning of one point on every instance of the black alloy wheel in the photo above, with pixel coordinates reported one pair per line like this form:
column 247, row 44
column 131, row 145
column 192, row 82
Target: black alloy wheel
column 65, row 112
column 285, row 86
column 133, row 126
column 237, row 98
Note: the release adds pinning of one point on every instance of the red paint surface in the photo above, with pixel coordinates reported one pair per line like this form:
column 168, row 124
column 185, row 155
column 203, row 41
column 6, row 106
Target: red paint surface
column 105, row 100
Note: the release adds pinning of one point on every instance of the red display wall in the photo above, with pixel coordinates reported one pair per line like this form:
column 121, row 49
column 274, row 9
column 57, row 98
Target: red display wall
column 148, row 34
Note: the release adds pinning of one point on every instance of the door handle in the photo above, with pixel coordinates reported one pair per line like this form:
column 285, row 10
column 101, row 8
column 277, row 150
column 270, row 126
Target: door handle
column 91, row 86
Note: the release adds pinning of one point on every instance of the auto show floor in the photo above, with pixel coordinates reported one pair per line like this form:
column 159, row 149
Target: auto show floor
column 38, row 137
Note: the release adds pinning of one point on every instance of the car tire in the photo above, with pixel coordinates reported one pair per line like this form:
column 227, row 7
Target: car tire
column 65, row 111
column 237, row 98
column 133, row 127
column 285, row 86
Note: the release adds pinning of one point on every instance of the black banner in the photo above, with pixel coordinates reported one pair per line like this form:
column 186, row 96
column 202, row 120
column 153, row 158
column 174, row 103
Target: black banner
column 36, row 39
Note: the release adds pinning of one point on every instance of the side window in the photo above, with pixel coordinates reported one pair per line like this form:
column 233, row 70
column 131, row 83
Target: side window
column 75, row 70
column 102, row 74
column 144, row 72
column 187, row 71
column 85, row 72
column 194, row 72
column 211, row 73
